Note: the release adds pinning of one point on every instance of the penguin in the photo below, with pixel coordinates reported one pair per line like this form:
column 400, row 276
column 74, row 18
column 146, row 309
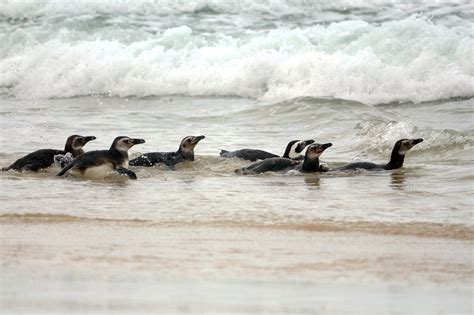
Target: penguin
column 311, row 159
column 278, row 164
column 73, row 149
column 185, row 153
column 45, row 157
column 293, row 151
column 397, row 158
column 99, row 163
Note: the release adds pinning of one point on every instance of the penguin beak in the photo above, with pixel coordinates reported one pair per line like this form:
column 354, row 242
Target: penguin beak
column 137, row 141
column 308, row 142
column 198, row 138
column 416, row 141
column 317, row 149
column 326, row 145
column 89, row 138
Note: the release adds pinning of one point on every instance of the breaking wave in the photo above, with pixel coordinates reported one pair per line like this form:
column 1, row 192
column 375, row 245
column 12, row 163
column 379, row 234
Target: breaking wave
column 410, row 60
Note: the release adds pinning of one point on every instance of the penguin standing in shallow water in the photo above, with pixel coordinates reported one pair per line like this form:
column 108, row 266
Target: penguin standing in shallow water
column 397, row 158
column 185, row 153
column 98, row 164
column 45, row 157
column 309, row 164
column 293, row 151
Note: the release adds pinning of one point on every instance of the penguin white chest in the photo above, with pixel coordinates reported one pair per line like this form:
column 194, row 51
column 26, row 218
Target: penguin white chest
column 125, row 163
column 99, row 171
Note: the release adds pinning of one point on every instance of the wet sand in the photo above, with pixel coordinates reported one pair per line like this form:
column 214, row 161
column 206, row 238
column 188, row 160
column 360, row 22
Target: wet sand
column 135, row 267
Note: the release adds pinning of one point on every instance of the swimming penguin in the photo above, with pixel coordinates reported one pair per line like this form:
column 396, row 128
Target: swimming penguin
column 185, row 153
column 73, row 149
column 293, row 151
column 45, row 157
column 309, row 164
column 400, row 148
column 99, row 163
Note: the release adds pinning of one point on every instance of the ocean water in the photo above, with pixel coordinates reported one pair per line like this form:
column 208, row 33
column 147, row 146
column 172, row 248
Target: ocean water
column 246, row 74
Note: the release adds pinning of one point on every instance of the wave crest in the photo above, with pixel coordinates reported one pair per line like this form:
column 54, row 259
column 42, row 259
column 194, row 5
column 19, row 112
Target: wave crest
column 411, row 60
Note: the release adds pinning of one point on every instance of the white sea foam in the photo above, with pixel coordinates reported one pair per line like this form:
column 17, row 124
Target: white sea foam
column 412, row 60
column 21, row 9
column 379, row 136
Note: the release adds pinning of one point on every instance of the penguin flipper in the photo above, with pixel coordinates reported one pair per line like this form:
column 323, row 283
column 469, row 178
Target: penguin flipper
column 31, row 167
column 323, row 168
column 148, row 159
column 170, row 162
column 126, row 171
column 66, row 168
column 223, row 152
column 142, row 160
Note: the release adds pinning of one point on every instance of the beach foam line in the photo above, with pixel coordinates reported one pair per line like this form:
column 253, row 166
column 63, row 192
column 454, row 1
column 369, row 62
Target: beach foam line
column 419, row 229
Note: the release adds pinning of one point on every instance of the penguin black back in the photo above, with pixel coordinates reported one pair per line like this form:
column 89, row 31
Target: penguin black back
column 292, row 151
column 99, row 163
column 280, row 164
column 248, row 154
column 184, row 153
column 277, row 164
column 34, row 161
column 397, row 158
column 45, row 157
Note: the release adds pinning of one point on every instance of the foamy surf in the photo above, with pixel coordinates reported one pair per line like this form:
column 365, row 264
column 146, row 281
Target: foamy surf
column 410, row 60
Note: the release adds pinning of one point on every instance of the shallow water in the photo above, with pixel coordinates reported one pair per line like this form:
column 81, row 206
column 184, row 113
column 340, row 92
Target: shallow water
column 201, row 238
column 434, row 187
column 428, row 203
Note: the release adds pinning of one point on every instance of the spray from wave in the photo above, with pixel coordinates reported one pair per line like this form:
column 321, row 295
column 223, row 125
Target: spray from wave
column 410, row 60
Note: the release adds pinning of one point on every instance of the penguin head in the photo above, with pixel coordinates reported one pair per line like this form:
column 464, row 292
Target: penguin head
column 315, row 150
column 76, row 142
column 295, row 147
column 189, row 142
column 402, row 146
column 123, row 144
column 79, row 141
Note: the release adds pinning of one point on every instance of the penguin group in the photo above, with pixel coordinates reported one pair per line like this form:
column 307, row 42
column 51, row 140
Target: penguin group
column 299, row 155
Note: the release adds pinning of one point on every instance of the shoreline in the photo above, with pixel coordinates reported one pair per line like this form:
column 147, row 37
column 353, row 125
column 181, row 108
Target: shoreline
column 409, row 229
column 193, row 262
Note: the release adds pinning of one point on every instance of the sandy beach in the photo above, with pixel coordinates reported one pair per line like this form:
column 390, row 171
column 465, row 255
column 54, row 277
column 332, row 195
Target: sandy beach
column 67, row 265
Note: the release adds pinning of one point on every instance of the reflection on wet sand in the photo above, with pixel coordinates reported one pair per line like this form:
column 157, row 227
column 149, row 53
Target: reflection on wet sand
column 312, row 180
column 398, row 179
